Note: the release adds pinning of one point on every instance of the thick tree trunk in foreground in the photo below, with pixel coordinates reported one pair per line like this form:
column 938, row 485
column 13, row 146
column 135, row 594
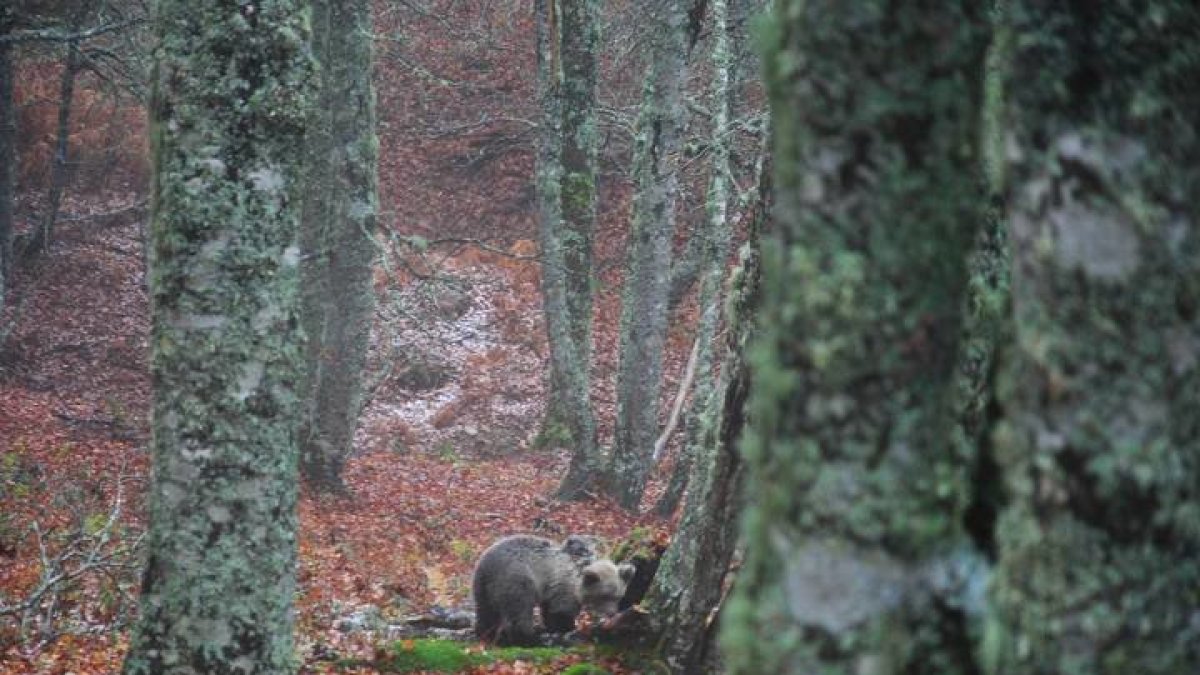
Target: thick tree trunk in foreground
column 228, row 115
column 647, row 273
column 857, row 558
column 337, row 240
column 1099, row 568
column 566, row 187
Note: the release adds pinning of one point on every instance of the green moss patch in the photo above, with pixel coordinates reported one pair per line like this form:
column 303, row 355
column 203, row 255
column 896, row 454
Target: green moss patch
column 449, row 656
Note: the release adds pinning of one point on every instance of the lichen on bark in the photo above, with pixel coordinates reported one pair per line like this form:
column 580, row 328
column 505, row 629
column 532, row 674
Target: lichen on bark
column 340, row 206
column 644, row 298
column 850, row 464
column 1099, row 549
column 231, row 94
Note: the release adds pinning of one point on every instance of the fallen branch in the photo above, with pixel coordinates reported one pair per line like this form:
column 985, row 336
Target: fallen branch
column 689, row 375
column 106, row 552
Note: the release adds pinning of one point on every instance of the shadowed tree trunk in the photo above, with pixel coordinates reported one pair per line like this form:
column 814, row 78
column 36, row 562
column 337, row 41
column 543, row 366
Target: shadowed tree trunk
column 677, row 615
column 231, row 99
column 647, row 273
column 690, row 582
column 337, row 240
column 688, row 589
column 8, row 152
column 857, row 559
column 1099, row 549
column 566, row 186
column 43, row 235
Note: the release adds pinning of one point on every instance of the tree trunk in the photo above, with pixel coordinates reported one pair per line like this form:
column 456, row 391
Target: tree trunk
column 987, row 311
column 691, row 581
column 579, row 40
column 857, row 560
column 714, row 238
column 1099, row 549
column 337, row 240
column 59, row 170
column 566, row 187
column 8, row 153
column 231, row 100
column 647, row 272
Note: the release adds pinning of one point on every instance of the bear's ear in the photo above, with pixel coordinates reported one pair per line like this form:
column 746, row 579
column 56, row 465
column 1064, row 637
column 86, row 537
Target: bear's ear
column 626, row 571
column 590, row 577
column 580, row 547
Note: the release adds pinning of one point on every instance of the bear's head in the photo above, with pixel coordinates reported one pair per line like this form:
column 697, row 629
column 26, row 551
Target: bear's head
column 602, row 586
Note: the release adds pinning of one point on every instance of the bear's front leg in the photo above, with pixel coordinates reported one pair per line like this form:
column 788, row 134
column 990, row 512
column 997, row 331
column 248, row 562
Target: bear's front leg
column 558, row 622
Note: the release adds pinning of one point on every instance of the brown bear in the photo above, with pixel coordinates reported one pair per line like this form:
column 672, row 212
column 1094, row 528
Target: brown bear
column 521, row 572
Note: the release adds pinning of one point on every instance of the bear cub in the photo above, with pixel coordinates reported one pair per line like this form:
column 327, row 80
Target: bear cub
column 521, row 572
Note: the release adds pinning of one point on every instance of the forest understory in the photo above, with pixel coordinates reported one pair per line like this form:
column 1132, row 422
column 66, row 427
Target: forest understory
column 442, row 469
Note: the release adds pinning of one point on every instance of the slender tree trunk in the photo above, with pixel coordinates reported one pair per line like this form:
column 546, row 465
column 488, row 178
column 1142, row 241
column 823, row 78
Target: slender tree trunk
column 337, row 239
column 580, row 37
column 8, row 153
column 690, row 584
column 714, row 249
column 232, row 94
column 987, row 312
column 1099, row 549
column 857, row 560
column 647, row 273
column 567, row 67
column 59, row 166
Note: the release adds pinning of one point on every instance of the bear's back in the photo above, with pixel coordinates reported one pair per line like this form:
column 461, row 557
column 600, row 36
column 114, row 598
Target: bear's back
column 545, row 560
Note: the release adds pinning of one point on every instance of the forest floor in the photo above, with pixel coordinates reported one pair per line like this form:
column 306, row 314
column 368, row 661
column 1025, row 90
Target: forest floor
column 445, row 459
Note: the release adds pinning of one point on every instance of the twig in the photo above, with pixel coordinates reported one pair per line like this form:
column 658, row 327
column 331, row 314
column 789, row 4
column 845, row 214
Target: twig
column 58, row 35
column 689, row 375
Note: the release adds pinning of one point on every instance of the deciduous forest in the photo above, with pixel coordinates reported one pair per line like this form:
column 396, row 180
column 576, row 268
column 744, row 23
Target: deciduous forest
column 573, row 336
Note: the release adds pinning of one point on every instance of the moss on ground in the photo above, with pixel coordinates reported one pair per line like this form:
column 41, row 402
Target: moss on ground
column 451, row 656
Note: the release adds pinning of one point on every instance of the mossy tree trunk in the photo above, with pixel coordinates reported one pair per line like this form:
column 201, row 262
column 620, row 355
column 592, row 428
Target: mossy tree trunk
column 568, row 35
column 987, row 312
column 857, row 557
column 691, row 580
column 1099, row 545
column 337, row 239
column 231, row 98
column 713, row 238
column 644, row 299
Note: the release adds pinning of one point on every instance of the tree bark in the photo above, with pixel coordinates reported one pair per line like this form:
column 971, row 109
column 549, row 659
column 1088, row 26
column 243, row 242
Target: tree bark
column 1099, row 550
column 566, row 186
column 691, row 581
column 337, row 240
column 8, row 153
column 647, row 272
column 857, row 559
column 232, row 94
column 59, row 171
column 580, row 37
column 714, row 238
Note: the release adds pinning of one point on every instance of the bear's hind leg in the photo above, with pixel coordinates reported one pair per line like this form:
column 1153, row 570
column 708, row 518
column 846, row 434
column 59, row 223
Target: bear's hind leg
column 487, row 622
column 515, row 601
